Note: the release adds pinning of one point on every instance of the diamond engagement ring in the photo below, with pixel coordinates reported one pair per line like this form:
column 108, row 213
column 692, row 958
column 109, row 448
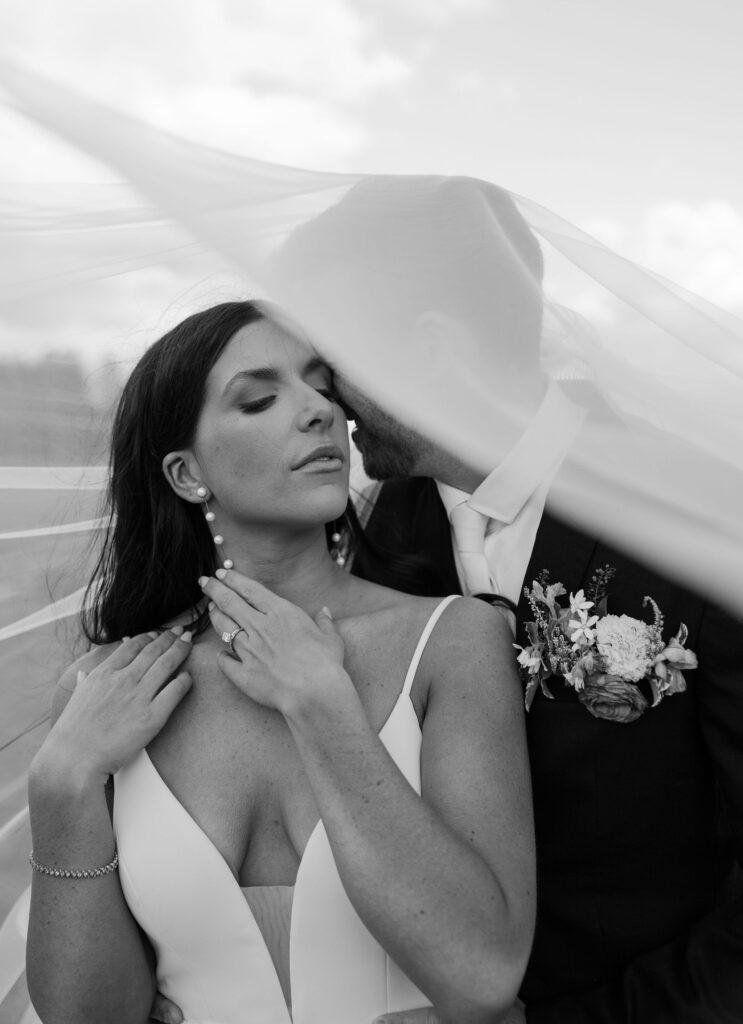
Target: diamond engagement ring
column 229, row 637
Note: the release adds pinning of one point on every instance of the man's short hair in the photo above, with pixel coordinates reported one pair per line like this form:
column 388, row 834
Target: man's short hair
column 395, row 247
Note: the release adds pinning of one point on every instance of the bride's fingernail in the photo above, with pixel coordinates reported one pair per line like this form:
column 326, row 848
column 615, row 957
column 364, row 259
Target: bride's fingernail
column 186, row 637
column 327, row 611
column 177, row 630
column 220, row 574
column 154, row 634
column 211, row 606
column 203, row 580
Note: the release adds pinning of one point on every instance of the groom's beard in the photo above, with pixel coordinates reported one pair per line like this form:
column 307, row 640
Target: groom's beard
column 385, row 454
column 389, row 449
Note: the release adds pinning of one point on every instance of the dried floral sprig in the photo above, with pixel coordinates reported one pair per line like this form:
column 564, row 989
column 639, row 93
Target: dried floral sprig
column 598, row 586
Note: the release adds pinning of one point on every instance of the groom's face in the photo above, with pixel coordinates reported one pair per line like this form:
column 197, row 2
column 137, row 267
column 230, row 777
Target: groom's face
column 388, row 448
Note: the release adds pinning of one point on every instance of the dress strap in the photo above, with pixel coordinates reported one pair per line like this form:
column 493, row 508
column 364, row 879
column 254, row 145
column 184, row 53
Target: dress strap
column 427, row 630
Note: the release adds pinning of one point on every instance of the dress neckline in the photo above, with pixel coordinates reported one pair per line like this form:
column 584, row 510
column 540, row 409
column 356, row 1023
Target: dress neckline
column 404, row 692
column 219, row 859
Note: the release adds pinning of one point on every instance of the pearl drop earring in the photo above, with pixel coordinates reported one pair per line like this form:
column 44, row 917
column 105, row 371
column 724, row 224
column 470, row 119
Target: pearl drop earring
column 218, row 539
column 336, row 537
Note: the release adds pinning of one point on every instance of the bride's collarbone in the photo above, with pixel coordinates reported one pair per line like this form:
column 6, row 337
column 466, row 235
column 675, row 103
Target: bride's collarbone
column 379, row 648
column 234, row 766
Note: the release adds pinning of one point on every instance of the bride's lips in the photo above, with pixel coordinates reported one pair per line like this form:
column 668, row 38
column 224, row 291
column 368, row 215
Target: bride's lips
column 326, row 458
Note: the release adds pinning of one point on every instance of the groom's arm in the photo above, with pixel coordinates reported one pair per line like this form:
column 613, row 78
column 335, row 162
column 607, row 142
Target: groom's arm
column 697, row 978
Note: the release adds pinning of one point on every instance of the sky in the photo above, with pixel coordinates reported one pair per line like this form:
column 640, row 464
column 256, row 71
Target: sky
column 621, row 116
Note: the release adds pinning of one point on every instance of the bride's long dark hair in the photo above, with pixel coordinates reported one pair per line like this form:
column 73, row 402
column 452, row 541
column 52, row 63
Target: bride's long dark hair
column 157, row 545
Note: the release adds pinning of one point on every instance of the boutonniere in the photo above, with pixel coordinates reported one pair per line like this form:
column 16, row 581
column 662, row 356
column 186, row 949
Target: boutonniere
column 603, row 657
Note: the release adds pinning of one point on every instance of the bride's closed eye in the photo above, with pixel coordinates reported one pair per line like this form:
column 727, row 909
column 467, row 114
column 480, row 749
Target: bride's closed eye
column 258, row 405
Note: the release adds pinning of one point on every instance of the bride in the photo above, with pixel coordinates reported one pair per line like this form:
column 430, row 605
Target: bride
column 227, row 806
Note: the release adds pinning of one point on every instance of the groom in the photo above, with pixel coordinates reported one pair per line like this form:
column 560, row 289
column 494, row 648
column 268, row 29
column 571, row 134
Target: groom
column 639, row 825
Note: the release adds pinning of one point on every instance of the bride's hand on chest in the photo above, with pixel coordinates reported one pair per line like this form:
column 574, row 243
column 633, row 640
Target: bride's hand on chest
column 274, row 652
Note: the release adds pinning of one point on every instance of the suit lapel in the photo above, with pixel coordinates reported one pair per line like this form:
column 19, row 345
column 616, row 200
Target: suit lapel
column 564, row 551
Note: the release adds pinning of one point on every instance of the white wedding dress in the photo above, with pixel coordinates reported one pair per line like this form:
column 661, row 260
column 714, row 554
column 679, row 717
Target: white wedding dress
column 212, row 957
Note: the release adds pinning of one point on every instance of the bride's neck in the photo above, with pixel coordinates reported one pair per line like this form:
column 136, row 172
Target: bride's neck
column 296, row 566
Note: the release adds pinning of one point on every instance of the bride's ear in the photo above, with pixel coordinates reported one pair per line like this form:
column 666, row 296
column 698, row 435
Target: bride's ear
column 183, row 474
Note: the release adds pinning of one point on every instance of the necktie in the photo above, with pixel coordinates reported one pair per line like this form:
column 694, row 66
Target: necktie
column 469, row 527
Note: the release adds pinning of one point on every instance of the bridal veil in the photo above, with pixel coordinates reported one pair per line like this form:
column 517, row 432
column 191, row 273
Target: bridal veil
column 450, row 301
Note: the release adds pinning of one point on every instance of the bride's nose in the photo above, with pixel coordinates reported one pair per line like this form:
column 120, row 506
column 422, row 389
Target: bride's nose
column 317, row 410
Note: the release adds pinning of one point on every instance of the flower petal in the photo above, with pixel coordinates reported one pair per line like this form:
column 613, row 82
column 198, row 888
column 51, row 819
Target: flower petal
column 656, row 690
column 530, row 691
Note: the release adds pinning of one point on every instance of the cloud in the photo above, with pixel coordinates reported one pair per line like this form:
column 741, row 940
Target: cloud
column 469, row 80
column 287, row 82
column 284, row 81
column 124, row 47
column 701, row 247
column 30, row 153
column 114, row 319
column 438, row 11
column 325, row 49
column 698, row 246
column 286, row 128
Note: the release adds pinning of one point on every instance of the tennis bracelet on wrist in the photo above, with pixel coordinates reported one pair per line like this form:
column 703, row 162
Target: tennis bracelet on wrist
column 74, row 872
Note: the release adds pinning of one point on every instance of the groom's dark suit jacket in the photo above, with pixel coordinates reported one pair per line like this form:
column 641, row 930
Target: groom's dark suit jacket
column 639, row 826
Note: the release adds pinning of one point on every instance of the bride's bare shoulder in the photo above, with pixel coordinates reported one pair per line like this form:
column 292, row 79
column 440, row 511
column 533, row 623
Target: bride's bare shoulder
column 464, row 616
column 373, row 597
column 376, row 611
column 471, row 633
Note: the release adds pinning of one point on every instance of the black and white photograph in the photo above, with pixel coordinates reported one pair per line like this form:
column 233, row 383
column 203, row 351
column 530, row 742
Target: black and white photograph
column 371, row 512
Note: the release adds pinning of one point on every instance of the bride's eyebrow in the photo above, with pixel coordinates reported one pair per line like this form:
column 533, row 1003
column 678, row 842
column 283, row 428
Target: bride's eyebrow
column 271, row 373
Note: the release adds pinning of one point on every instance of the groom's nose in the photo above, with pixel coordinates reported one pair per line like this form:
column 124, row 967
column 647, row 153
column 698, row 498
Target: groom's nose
column 346, row 394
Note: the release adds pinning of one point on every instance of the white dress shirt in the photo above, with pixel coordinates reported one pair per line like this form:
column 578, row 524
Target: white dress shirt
column 512, row 497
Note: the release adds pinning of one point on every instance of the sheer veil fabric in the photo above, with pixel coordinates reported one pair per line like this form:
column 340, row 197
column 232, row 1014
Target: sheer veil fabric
column 450, row 301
